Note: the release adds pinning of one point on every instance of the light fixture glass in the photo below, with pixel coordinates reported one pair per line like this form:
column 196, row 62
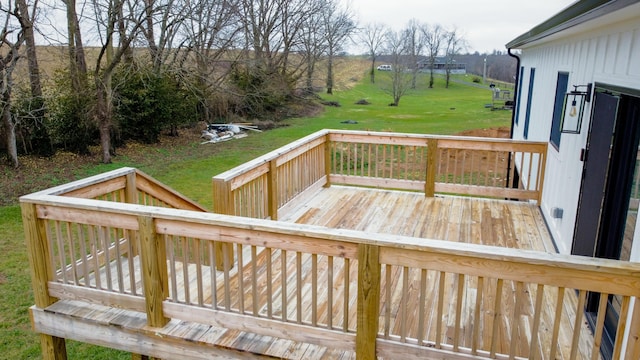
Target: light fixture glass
column 573, row 109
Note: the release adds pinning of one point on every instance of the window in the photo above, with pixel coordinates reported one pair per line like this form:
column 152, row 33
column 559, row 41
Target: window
column 527, row 115
column 519, row 92
column 561, row 89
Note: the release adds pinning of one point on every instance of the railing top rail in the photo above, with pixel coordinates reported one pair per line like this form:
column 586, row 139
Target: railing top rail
column 143, row 182
column 428, row 136
column 248, row 166
column 58, row 208
column 79, row 184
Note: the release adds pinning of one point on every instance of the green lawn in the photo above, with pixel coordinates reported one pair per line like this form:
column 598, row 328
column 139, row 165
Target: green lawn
column 189, row 170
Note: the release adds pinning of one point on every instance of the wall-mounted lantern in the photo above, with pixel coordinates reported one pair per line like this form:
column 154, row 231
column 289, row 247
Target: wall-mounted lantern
column 572, row 111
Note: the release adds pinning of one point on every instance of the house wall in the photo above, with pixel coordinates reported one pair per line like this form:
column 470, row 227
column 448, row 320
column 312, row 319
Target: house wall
column 605, row 50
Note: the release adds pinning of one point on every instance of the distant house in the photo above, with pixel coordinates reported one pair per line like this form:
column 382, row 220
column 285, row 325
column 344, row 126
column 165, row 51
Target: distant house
column 584, row 64
column 440, row 66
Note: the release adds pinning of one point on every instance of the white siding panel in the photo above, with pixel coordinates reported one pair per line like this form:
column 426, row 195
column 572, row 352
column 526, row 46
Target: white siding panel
column 622, row 57
column 634, row 57
column 600, row 55
column 609, row 54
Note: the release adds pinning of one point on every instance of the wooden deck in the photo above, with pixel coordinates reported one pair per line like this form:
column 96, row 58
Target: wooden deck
column 472, row 220
column 123, row 261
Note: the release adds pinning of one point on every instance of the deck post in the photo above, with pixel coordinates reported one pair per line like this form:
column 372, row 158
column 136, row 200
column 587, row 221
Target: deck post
column 272, row 190
column 327, row 160
column 432, row 159
column 154, row 271
column 633, row 339
column 222, row 204
column 131, row 190
column 53, row 348
column 131, row 197
column 368, row 301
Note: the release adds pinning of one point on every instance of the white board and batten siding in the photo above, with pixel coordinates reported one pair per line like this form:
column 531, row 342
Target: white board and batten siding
column 605, row 50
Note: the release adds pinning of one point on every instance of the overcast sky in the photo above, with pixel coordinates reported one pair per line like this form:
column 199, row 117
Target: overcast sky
column 486, row 24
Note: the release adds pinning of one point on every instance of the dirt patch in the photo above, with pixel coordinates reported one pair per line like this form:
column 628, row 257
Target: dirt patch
column 3, row 278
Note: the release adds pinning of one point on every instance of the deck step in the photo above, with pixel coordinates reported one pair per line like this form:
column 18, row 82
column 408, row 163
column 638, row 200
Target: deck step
column 128, row 331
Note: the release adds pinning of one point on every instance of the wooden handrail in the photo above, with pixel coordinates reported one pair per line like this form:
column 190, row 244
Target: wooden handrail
column 452, row 164
column 376, row 250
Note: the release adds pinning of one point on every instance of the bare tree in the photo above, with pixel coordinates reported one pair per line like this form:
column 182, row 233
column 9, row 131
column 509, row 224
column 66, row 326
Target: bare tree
column 8, row 62
column 77, row 59
column 339, row 24
column 372, row 35
column 433, row 37
column 117, row 23
column 453, row 44
column 312, row 46
column 272, row 29
column 400, row 79
column 26, row 23
column 210, row 30
column 415, row 39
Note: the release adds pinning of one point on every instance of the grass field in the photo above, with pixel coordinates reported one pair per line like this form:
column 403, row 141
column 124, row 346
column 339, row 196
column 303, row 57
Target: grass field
column 188, row 167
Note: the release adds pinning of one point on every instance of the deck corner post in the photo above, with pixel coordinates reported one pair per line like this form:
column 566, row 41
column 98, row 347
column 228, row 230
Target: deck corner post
column 53, row 348
column 272, row 189
column 154, row 271
column 368, row 301
column 327, row 159
column 432, row 159
column 222, row 204
column 541, row 171
column 131, row 189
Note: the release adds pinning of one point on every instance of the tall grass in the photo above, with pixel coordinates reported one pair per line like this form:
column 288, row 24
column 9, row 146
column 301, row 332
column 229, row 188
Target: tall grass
column 189, row 170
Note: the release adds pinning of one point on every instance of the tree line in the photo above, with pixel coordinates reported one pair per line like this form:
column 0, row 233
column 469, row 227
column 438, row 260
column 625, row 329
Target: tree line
column 133, row 69
column 153, row 65
column 404, row 49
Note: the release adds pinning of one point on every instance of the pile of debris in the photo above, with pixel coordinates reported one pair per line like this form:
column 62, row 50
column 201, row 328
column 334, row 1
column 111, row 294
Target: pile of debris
column 222, row 132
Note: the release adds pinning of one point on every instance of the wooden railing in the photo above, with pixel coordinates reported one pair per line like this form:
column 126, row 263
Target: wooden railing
column 274, row 183
column 303, row 283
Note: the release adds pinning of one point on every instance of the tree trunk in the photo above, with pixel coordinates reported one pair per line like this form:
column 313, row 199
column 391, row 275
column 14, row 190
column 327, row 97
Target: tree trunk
column 77, row 61
column 9, row 130
column 373, row 69
column 103, row 116
column 310, row 70
column 32, row 59
column 330, row 75
column 431, row 65
column 149, row 35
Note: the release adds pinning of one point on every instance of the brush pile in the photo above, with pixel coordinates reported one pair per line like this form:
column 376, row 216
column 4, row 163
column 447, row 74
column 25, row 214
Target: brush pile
column 222, row 132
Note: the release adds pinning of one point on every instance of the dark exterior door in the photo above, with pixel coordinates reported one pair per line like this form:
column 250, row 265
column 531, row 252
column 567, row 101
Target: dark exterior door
column 608, row 205
column 594, row 173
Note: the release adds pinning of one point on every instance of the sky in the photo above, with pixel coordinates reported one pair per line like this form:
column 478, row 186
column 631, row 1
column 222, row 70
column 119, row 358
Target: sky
column 487, row 25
